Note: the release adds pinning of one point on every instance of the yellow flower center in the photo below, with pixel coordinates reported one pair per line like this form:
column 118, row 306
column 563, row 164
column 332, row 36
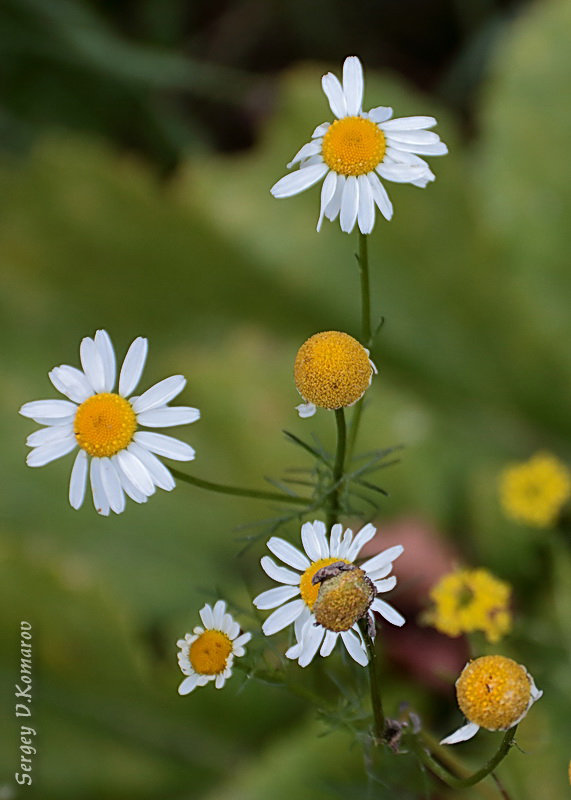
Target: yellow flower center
column 343, row 599
column 209, row 653
column 332, row 370
column 534, row 491
column 104, row 424
column 309, row 591
column 353, row 146
column 494, row 692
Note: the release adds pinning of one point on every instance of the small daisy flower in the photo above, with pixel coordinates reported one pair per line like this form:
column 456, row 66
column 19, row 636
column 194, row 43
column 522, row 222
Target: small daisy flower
column 294, row 600
column 332, row 370
column 207, row 654
column 534, row 492
column 494, row 692
column 469, row 600
column 352, row 153
column 104, row 425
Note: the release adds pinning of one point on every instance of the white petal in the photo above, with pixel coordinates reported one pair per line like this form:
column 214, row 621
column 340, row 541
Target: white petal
column 401, row 173
column 99, row 495
column 335, row 540
column 412, row 137
column 328, row 643
column 207, row 616
column 135, row 471
column 321, row 130
column 334, row 93
column 71, row 382
column 409, row 124
column 353, row 85
column 220, row 680
column 166, row 446
column 313, row 636
column 345, row 543
column 92, row 364
column 306, row 410
column 365, row 535
column 327, row 192
column 112, row 485
column 462, row 734
column 436, row 149
column 299, row 180
column 382, row 559
column 275, row 597
column 130, row 490
column 334, row 206
column 379, row 574
column 314, row 545
column 279, row 574
column 51, row 435
column 349, row 204
column 53, row 410
column 388, row 612
column 355, row 648
column 40, row 456
column 159, row 473
column 188, row 684
column 159, row 394
column 283, row 616
column 218, row 614
column 385, row 585
column 366, row 212
column 107, row 355
column 380, row 196
column 133, row 365
column 308, row 150
column 166, row 417
column 393, row 155
column 380, row 114
column 78, row 480
column 287, row 553
column 242, row 640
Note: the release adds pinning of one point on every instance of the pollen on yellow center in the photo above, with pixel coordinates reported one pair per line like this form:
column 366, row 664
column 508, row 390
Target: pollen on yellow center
column 353, row 146
column 104, row 424
column 343, row 600
column 494, row 692
column 209, row 653
column 332, row 370
column 309, row 591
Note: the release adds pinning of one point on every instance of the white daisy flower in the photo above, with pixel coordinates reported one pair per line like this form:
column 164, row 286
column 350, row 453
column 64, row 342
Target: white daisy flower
column 356, row 150
column 104, row 425
column 207, row 654
column 295, row 598
column 493, row 692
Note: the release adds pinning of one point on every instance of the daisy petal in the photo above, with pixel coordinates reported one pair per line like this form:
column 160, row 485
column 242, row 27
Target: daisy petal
column 166, row 446
column 321, row 130
column 112, row 486
column 279, row 574
column 52, row 410
column 159, row 394
column 51, row 435
column 409, row 124
column 275, row 597
column 130, row 490
column 92, row 364
column 308, row 150
column 107, row 355
column 366, row 212
column 44, row 454
column 380, row 196
column 329, row 643
column 78, row 480
column 382, row 559
column 355, row 648
column 353, row 85
column 299, row 180
column 166, row 417
column 71, row 382
column 413, row 137
column 207, row 616
column 159, row 473
column 327, row 192
column 349, row 204
column 380, row 114
column 314, row 545
column 283, row 616
column 388, row 612
column 313, row 636
column 188, row 684
column 335, row 540
column 133, row 365
column 135, row 471
column 306, row 410
column 287, row 553
column 99, row 496
column 436, row 149
column 334, row 205
column 462, row 734
column 401, row 173
column 334, row 93
column 365, row 535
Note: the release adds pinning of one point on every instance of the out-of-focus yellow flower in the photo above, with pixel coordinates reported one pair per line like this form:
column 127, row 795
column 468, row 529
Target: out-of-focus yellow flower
column 469, row 600
column 534, row 491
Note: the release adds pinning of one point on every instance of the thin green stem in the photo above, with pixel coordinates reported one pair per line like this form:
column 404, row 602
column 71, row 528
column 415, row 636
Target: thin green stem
column 443, row 773
column 376, row 702
column 335, row 498
column 222, row 488
column 365, row 291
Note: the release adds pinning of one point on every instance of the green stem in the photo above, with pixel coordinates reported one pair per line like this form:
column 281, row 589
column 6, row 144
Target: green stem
column 237, row 490
column 376, row 702
column 335, row 501
column 460, row 783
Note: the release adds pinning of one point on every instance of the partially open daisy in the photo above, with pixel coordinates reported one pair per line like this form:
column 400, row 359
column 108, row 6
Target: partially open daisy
column 332, row 370
column 358, row 149
column 104, row 425
column 295, row 599
column 494, row 692
column 207, row 654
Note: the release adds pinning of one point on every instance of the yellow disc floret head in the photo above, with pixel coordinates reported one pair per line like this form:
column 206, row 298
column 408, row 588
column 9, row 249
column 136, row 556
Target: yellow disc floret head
column 494, row 692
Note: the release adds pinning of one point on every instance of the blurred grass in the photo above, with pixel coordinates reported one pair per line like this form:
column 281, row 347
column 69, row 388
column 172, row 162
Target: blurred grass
column 474, row 358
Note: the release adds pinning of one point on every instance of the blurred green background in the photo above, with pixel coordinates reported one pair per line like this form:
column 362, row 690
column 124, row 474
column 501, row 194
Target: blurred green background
column 139, row 142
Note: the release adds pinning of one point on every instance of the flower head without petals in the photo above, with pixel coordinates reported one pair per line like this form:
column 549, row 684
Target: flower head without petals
column 104, row 425
column 207, row 654
column 356, row 150
column 533, row 492
column 295, row 598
